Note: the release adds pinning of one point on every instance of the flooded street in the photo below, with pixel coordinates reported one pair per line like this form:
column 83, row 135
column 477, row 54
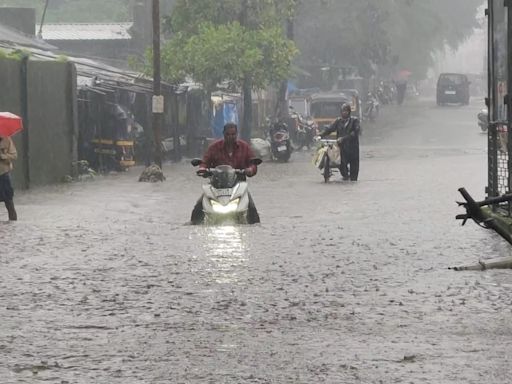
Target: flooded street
column 103, row 282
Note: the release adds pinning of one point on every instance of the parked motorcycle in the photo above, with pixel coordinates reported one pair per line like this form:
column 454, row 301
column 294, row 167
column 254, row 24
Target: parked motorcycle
column 371, row 107
column 226, row 196
column 280, row 144
column 483, row 119
column 303, row 132
column 386, row 93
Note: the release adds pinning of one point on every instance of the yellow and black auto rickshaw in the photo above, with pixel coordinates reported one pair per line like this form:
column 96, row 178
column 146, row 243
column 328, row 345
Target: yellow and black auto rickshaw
column 324, row 107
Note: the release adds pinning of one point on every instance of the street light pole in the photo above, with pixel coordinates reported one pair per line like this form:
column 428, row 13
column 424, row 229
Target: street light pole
column 158, row 99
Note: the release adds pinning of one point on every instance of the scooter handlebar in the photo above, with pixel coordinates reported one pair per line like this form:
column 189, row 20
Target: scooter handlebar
column 208, row 172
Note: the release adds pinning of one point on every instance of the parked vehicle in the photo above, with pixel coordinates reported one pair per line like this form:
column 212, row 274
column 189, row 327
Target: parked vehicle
column 226, row 195
column 452, row 88
column 371, row 107
column 325, row 106
column 302, row 130
column 386, row 92
column 280, row 143
column 483, row 119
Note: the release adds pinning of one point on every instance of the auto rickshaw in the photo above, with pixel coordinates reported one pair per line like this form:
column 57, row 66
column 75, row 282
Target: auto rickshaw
column 113, row 146
column 325, row 107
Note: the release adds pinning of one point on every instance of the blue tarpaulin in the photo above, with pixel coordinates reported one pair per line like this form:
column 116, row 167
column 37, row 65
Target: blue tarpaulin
column 225, row 112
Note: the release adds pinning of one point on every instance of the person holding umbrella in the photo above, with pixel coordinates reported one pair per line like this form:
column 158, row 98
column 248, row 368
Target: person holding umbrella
column 7, row 155
column 9, row 125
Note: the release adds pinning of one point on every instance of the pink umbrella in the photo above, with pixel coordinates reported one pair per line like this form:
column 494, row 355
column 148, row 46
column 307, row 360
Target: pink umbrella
column 404, row 74
column 10, row 124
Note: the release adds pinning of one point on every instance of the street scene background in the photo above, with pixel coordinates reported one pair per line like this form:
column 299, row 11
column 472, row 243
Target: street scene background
column 105, row 281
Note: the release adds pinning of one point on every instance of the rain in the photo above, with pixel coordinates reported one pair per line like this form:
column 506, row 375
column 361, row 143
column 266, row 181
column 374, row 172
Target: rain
column 106, row 280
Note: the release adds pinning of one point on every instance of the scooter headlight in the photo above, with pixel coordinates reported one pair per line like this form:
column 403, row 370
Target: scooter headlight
column 228, row 208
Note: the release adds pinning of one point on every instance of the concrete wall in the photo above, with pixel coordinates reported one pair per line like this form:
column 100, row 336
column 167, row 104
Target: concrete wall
column 45, row 95
column 52, row 124
column 10, row 78
column 21, row 19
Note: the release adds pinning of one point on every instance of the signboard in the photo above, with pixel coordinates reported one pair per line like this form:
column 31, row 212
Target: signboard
column 158, row 104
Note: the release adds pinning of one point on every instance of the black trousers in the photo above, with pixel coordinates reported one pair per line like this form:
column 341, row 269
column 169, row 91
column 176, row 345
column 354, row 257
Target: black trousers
column 7, row 194
column 9, row 204
column 349, row 167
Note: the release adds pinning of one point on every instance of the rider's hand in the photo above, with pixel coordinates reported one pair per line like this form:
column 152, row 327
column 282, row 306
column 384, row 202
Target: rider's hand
column 201, row 172
column 249, row 172
column 339, row 140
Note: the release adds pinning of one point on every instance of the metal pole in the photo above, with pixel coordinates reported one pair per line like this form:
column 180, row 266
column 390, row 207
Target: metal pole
column 508, row 97
column 40, row 33
column 158, row 104
column 493, row 188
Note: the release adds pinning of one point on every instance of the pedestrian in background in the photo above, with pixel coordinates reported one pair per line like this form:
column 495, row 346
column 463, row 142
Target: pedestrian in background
column 7, row 155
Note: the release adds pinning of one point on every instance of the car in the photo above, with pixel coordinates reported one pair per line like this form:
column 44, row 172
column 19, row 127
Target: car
column 452, row 88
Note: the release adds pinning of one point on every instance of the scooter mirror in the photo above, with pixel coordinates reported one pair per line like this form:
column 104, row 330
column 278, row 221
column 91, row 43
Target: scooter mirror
column 256, row 161
column 196, row 162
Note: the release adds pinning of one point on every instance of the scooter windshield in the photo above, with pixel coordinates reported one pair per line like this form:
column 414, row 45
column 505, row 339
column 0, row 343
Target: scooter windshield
column 224, row 176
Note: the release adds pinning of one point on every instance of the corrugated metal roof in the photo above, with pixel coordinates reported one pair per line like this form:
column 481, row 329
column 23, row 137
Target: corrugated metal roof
column 87, row 31
column 12, row 36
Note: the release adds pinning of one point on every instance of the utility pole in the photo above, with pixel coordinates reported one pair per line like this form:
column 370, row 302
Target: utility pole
column 247, row 84
column 158, row 99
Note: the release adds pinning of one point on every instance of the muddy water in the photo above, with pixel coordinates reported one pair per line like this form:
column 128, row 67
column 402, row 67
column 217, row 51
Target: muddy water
column 103, row 282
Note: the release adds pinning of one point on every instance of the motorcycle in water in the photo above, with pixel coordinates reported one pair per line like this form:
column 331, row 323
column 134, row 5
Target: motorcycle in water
column 226, row 196
column 280, row 144
column 483, row 119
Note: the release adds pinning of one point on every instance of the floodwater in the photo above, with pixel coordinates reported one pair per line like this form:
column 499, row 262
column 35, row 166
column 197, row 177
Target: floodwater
column 103, row 281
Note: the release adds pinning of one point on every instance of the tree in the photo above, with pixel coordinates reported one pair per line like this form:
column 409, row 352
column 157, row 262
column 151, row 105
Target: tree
column 82, row 11
column 369, row 33
column 241, row 42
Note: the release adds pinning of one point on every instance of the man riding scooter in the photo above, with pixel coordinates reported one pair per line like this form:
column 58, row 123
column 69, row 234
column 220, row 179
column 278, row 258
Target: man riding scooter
column 235, row 153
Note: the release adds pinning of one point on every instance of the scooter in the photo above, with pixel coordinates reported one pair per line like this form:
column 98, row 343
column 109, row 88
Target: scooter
column 280, row 144
column 226, row 196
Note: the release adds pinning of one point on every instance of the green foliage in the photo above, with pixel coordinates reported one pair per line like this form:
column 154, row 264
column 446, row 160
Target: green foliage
column 62, row 59
column 383, row 33
column 137, row 64
column 16, row 54
column 221, row 49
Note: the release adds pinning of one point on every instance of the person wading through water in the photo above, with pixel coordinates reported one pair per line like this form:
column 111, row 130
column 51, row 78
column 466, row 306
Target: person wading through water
column 7, row 155
column 347, row 130
column 228, row 151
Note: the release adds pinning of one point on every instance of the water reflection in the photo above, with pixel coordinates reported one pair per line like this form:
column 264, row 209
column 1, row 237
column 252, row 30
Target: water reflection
column 226, row 253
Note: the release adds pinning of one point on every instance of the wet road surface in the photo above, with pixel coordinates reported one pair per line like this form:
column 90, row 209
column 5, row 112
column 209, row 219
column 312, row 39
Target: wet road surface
column 103, row 282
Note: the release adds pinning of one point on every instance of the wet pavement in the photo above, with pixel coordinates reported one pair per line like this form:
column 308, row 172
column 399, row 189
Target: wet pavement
column 103, row 282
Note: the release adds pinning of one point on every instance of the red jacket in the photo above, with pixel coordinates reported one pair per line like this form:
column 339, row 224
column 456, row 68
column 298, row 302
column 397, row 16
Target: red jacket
column 239, row 159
